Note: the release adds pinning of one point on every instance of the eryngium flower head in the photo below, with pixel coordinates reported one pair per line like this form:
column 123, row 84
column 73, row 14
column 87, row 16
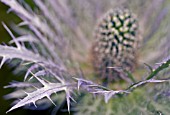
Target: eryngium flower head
column 116, row 42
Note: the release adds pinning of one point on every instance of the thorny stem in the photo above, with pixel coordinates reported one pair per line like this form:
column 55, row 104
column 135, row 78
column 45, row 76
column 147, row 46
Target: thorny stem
column 161, row 67
column 152, row 74
column 100, row 86
column 134, row 86
column 149, row 79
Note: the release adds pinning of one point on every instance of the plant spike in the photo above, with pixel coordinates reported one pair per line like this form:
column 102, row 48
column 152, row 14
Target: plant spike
column 116, row 41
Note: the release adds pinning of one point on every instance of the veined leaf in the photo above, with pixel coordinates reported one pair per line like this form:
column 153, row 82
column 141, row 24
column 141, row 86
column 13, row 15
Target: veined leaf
column 45, row 91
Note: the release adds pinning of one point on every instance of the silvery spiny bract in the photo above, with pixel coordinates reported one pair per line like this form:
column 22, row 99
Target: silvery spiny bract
column 52, row 43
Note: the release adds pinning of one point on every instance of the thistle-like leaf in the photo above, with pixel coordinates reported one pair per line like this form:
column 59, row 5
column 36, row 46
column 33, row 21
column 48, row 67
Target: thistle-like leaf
column 11, row 34
column 3, row 61
column 40, row 93
column 25, row 38
column 10, row 52
column 15, row 94
column 16, row 84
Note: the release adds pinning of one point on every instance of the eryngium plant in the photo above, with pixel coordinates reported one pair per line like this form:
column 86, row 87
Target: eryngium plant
column 116, row 43
column 47, row 51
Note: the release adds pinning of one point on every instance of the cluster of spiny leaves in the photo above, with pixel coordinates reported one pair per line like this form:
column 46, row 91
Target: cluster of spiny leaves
column 47, row 66
column 116, row 42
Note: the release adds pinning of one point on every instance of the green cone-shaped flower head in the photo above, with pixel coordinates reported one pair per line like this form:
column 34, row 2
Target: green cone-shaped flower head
column 116, row 41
